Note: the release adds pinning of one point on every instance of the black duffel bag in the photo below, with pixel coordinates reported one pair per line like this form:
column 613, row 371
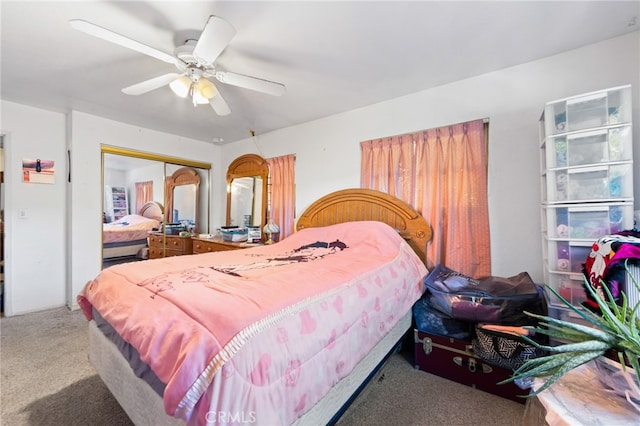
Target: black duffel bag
column 490, row 299
column 504, row 348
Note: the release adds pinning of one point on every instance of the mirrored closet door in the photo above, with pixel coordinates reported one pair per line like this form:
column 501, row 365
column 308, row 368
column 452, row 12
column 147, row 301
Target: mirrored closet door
column 151, row 205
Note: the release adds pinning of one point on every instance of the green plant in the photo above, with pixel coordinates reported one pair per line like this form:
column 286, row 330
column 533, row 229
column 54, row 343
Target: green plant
column 617, row 330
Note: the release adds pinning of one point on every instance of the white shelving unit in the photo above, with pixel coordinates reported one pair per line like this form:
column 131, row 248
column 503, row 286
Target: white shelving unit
column 116, row 202
column 586, row 163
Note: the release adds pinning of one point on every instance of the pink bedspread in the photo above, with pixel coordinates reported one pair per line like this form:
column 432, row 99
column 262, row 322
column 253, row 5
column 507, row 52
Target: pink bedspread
column 129, row 228
column 263, row 332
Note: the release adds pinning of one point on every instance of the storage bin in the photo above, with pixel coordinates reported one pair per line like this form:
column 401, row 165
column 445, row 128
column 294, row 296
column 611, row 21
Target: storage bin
column 596, row 109
column 590, row 148
column 598, row 183
column 568, row 285
column 568, row 257
column 174, row 228
column 588, row 222
column 565, row 314
column 235, row 234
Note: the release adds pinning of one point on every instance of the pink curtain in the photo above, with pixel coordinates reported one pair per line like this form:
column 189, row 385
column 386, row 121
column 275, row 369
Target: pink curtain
column 282, row 194
column 144, row 193
column 445, row 180
column 388, row 165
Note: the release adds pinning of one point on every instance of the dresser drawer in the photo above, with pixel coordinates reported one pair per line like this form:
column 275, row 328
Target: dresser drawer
column 169, row 245
column 205, row 245
column 155, row 252
column 169, row 252
column 155, row 241
column 176, row 243
column 210, row 246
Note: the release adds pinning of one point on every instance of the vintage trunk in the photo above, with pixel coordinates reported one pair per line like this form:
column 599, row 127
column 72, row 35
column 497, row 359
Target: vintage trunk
column 453, row 359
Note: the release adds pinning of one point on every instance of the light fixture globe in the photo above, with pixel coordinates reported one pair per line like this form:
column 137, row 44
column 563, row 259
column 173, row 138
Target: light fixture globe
column 198, row 99
column 180, row 86
column 206, row 89
column 194, row 85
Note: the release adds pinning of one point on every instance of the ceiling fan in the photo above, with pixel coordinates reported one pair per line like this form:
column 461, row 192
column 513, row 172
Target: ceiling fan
column 195, row 61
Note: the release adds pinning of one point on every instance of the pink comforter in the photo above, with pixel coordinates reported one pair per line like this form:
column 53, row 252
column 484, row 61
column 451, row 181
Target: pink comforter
column 128, row 228
column 190, row 316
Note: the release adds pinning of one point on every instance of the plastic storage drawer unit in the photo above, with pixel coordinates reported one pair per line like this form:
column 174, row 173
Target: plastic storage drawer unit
column 597, row 183
column 568, row 256
column 588, row 222
column 591, row 110
column 590, row 148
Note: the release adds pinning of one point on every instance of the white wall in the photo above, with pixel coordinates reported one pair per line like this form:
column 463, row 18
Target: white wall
column 327, row 159
column 52, row 253
column 328, row 151
column 34, row 251
column 87, row 134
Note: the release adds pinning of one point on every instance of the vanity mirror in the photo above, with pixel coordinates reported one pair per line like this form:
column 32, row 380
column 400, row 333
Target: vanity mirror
column 247, row 178
column 182, row 199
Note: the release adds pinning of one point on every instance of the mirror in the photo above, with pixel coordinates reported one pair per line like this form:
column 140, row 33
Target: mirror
column 183, row 196
column 127, row 171
column 245, row 211
column 247, row 178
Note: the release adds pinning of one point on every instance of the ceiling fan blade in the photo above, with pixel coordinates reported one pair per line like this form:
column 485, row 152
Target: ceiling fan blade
column 219, row 105
column 108, row 35
column 253, row 83
column 215, row 37
column 151, row 84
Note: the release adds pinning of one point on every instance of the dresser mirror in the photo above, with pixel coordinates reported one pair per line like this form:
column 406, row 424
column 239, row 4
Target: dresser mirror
column 247, row 178
column 124, row 170
column 183, row 196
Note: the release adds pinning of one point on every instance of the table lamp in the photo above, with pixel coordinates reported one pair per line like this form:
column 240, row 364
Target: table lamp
column 269, row 229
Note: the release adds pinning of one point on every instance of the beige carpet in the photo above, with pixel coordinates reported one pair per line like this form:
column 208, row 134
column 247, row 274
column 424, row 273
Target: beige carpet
column 46, row 379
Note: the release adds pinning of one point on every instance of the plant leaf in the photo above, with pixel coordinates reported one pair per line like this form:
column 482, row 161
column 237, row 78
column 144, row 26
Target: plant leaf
column 575, row 361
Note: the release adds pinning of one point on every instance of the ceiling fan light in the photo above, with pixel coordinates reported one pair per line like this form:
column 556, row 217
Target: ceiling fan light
column 198, row 99
column 180, row 86
column 206, row 89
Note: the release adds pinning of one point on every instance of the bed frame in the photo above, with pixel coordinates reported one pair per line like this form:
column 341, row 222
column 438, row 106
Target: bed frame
column 145, row 407
column 151, row 210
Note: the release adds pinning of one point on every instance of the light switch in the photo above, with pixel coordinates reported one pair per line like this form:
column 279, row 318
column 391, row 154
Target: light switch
column 22, row 213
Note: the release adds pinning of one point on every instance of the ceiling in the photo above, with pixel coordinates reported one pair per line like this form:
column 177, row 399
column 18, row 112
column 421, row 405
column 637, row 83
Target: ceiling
column 331, row 56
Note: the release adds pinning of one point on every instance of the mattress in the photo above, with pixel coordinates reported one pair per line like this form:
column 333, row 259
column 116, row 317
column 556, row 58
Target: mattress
column 276, row 367
column 128, row 228
column 145, row 407
column 142, row 241
column 123, row 249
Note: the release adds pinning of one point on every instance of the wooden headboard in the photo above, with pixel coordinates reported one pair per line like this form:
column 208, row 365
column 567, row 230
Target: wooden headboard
column 349, row 205
column 152, row 210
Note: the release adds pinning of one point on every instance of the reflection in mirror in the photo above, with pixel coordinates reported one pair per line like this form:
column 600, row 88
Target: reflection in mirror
column 125, row 221
column 245, row 201
column 184, row 204
column 183, row 195
column 123, row 171
column 247, row 191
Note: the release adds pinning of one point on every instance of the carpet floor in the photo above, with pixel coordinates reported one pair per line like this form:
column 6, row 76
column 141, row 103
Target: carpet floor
column 46, row 379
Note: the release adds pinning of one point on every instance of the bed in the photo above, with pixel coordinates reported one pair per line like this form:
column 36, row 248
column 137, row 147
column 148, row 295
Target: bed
column 127, row 235
column 272, row 360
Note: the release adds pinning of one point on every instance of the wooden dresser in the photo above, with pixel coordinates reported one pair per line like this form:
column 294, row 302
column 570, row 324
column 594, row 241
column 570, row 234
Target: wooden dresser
column 175, row 245
column 208, row 245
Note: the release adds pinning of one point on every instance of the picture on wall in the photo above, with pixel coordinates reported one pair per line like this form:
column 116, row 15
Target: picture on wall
column 38, row 171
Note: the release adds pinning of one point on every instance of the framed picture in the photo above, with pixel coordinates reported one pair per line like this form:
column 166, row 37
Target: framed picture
column 38, row 171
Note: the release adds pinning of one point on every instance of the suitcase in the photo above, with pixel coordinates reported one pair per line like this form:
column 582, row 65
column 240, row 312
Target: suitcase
column 453, row 359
